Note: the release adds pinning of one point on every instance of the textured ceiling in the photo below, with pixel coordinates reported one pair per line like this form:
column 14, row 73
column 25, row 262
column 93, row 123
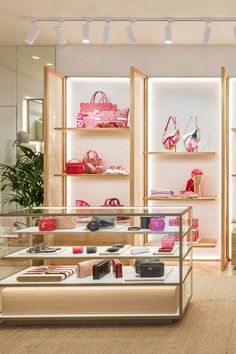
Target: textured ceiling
column 13, row 29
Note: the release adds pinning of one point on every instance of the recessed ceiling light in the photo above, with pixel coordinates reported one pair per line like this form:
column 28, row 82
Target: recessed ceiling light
column 35, row 57
column 85, row 32
column 49, row 64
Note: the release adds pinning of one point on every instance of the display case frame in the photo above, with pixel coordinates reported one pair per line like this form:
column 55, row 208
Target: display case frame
column 177, row 285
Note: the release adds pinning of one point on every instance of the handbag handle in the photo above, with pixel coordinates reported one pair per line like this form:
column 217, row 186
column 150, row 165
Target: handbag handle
column 94, row 154
column 168, row 122
column 192, row 118
column 114, row 202
column 103, row 99
column 73, row 160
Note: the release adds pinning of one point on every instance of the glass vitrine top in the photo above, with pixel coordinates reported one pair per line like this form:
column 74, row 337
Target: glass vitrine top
column 93, row 211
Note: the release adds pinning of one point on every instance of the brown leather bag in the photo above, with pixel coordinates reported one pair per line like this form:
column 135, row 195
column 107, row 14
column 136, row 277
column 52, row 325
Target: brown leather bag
column 85, row 268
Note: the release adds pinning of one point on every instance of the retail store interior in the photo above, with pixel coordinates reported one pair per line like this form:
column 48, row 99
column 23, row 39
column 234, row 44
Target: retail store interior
column 118, row 177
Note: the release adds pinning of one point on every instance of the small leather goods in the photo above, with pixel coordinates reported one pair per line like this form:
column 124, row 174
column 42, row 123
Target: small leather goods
column 152, row 268
column 91, row 249
column 157, row 224
column 93, row 225
column 117, row 268
column 168, row 241
column 85, row 268
column 174, row 222
column 74, row 167
column 145, row 222
column 192, row 138
column 77, row 249
column 66, row 222
column 101, row 269
column 93, row 164
column 169, row 140
column 47, row 224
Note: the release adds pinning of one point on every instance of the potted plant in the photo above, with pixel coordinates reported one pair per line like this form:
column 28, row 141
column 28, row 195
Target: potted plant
column 23, row 181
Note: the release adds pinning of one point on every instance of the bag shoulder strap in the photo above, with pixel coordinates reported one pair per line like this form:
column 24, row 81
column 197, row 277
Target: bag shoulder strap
column 171, row 118
column 103, row 99
column 192, row 119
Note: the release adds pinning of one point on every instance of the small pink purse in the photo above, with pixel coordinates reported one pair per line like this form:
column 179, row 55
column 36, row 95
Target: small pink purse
column 169, row 140
column 168, row 241
column 157, row 224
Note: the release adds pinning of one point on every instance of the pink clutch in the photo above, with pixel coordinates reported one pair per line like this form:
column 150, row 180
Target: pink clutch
column 168, row 241
column 174, row 222
column 157, row 224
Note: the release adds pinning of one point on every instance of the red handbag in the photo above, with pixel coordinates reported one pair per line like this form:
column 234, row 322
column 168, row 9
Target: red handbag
column 93, row 164
column 114, row 202
column 74, row 167
column 47, row 224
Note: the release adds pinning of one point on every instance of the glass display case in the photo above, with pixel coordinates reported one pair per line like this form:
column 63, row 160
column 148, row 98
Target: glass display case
column 55, row 263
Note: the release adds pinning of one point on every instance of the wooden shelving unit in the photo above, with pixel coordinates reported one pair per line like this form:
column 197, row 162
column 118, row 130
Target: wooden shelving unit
column 205, row 243
column 183, row 154
column 206, row 198
column 93, row 130
column 101, row 175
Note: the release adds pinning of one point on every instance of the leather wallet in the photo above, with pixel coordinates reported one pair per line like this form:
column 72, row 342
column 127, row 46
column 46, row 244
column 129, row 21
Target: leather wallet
column 145, row 222
column 85, row 268
column 91, row 249
column 101, row 269
column 117, row 268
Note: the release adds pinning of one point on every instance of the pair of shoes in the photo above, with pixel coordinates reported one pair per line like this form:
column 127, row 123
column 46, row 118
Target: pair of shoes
column 116, row 170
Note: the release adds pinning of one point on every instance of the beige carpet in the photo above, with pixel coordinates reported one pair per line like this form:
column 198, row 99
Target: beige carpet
column 208, row 327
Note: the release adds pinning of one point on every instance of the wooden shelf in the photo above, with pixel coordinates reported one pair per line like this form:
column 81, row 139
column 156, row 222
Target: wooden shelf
column 101, row 175
column 93, row 130
column 205, row 243
column 180, row 198
column 234, row 230
column 233, row 175
column 233, row 129
column 183, row 154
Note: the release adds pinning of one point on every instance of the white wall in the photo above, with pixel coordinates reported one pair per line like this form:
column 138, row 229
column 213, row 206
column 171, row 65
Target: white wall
column 166, row 60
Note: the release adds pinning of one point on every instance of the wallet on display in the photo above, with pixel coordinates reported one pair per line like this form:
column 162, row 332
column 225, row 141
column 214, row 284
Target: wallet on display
column 145, row 222
column 101, row 269
column 91, row 249
column 117, row 268
column 77, row 249
column 139, row 250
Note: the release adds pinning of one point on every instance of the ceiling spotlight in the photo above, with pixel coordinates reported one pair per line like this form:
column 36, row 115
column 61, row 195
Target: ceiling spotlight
column 206, row 33
column 85, row 32
column 106, row 32
column 59, row 35
column 168, row 33
column 130, row 32
column 49, row 64
column 33, row 34
column 35, row 57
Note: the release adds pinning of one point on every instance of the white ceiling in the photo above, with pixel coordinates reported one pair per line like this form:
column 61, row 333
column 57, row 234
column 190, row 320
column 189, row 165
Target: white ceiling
column 13, row 29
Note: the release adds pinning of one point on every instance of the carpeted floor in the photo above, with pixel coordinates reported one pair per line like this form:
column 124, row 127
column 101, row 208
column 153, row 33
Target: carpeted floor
column 208, row 327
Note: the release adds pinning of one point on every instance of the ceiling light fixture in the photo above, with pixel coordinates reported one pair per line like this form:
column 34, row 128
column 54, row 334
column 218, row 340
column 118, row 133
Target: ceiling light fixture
column 35, row 57
column 206, row 33
column 49, row 64
column 58, row 33
column 85, row 32
column 130, row 32
column 106, row 32
column 168, row 33
column 33, row 34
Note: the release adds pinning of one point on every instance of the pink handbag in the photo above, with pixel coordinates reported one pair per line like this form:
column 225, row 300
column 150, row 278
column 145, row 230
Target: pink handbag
column 168, row 241
column 93, row 164
column 157, row 224
column 169, row 140
column 81, row 203
column 101, row 114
